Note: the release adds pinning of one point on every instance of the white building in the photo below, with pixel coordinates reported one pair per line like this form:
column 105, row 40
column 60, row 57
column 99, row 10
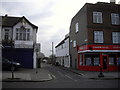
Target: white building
column 19, row 40
column 62, row 52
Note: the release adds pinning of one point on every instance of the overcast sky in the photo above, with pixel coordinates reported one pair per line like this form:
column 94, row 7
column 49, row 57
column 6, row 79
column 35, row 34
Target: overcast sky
column 53, row 17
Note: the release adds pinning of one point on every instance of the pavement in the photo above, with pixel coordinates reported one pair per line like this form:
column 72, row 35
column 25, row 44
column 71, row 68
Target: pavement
column 41, row 74
column 26, row 75
column 108, row 75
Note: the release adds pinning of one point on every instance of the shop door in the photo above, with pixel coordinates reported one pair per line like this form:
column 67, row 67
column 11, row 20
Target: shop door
column 105, row 60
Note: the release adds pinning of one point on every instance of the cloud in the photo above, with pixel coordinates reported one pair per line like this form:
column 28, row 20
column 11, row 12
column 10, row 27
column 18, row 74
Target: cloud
column 53, row 17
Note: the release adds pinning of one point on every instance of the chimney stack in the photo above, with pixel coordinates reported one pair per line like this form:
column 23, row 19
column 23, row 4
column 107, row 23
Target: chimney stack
column 6, row 15
column 112, row 1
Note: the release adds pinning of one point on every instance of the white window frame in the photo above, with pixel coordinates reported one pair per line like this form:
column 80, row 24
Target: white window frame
column 74, row 43
column 98, row 37
column 23, row 35
column 116, row 37
column 7, row 33
column 115, row 19
column 77, row 27
column 97, row 17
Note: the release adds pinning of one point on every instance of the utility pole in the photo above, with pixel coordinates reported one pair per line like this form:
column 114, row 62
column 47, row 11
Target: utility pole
column 52, row 52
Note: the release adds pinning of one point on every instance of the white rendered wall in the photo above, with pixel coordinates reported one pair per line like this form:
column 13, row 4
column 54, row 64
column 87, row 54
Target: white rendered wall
column 24, row 44
column 62, row 54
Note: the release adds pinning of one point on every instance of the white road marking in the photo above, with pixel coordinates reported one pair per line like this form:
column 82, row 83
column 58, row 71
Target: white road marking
column 53, row 76
column 71, row 78
column 49, row 76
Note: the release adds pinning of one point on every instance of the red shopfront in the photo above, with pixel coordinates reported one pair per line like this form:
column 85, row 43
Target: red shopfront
column 94, row 57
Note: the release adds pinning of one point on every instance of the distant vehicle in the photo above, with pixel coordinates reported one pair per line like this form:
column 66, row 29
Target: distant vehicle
column 10, row 65
column 57, row 64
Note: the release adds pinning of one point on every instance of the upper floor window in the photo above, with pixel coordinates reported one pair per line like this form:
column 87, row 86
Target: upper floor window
column 115, row 19
column 97, row 17
column 116, row 37
column 6, row 37
column 98, row 37
column 76, row 27
column 74, row 43
column 22, row 34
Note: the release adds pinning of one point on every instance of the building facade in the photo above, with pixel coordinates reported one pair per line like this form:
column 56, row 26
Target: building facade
column 19, row 40
column 0, row 39
column 62, row 52
column 95, row 37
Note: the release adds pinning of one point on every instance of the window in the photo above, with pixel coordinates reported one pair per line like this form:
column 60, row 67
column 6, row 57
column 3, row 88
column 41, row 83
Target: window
column 92, row 59
column 96, row 61
column 88, row 61
column 80, row 59
column 116, row 37
column 22, row 34
column 112, row 59
column 74, row 43
column 98, row 37
column 6, row 34
column 76, row 27
column 115, row 20
column 97, row 17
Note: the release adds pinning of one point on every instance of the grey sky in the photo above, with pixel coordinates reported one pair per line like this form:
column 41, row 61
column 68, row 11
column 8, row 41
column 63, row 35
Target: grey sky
column 53, row 17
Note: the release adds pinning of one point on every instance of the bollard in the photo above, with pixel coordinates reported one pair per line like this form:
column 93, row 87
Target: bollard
column 101, row 73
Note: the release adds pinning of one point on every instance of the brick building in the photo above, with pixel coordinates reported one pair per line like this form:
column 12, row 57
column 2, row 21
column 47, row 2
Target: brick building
column 95, row 37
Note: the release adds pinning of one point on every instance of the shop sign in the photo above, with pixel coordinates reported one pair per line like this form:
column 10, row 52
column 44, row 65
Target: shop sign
column 99, row 47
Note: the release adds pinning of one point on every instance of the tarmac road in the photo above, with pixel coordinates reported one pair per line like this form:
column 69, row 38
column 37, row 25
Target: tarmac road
column 63, row 79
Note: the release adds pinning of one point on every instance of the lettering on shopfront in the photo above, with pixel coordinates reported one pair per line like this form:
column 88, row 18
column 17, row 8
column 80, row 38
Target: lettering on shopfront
column 95, row 47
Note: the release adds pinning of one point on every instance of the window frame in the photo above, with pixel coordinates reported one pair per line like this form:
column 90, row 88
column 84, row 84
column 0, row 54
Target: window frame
column 97, row 17
column 116, row 38
column 115, row 19
column 97, row 36
column 22, row 34
column 74, row 43
column 6, row 33
column 76, row 27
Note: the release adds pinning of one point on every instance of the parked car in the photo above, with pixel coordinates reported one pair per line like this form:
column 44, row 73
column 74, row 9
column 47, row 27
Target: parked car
column 10, row 65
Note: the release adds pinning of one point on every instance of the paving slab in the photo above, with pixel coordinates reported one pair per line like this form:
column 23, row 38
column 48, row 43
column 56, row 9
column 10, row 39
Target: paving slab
column 27, row 75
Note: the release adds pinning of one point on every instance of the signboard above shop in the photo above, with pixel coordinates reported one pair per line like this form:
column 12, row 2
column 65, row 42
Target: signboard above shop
column 99, row 48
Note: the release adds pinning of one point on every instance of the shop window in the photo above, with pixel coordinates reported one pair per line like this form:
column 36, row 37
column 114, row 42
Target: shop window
column 88, row 61
column 112, row 60
column 96, row 61
column 118, row 61
column 92, row 60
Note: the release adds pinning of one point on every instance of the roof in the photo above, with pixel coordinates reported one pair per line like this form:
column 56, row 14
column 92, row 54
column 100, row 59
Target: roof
column 62, row 42
column 8, row 21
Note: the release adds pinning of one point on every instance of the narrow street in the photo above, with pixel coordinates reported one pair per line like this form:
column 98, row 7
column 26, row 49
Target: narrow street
column 63, row 79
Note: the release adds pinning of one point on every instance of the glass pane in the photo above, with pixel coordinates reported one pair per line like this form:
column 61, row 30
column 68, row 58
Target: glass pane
column 96, row 61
